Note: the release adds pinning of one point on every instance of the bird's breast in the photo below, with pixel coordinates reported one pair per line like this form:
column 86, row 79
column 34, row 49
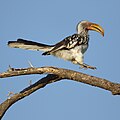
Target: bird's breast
column 71, row 53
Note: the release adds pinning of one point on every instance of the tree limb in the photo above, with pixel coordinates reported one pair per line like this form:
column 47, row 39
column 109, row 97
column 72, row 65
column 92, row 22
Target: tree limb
column 54, row 74
column 27, row 91
column 66, row 74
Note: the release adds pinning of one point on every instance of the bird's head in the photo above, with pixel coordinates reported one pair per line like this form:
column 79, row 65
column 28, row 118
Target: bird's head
column 84, row 26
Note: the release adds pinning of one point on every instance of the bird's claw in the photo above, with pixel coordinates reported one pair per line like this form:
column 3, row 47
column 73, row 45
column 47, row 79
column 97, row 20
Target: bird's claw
column 87, row 66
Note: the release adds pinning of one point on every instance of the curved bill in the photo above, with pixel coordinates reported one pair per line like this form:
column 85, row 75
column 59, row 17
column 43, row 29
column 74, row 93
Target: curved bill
column 96, row 27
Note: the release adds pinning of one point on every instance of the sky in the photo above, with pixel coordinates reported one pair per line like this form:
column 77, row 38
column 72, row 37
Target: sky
column 49, row 22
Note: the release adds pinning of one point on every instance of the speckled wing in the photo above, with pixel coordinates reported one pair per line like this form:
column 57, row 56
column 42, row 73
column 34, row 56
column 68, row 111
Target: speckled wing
column 67, row 43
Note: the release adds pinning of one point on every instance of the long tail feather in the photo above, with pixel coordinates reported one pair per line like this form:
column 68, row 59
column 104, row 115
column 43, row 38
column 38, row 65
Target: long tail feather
column 29, row 45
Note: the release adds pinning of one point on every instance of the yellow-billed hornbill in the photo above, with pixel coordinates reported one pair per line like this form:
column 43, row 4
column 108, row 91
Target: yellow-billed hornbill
column 71, row 48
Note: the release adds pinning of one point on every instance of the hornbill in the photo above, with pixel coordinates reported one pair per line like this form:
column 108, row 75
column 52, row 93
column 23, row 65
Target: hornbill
column 72, row 48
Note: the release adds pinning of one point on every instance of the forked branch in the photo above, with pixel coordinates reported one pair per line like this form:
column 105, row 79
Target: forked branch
column 54, row 74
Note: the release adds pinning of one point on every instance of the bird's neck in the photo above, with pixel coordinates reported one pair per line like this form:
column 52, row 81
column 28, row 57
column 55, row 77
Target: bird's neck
column 82, row 31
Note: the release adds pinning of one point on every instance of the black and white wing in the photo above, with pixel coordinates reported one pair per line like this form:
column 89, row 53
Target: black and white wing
column 67, row 43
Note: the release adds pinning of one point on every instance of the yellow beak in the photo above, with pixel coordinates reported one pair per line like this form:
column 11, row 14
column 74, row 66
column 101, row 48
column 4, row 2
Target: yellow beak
column 96, row 27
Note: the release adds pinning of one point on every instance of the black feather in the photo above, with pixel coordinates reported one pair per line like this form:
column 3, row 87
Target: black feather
column 28, row 42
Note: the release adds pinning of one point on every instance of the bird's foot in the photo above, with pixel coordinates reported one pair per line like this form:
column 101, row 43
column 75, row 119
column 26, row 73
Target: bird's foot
column 87, row 66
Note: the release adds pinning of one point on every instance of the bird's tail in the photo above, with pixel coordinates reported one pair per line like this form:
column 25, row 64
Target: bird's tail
column 29, row 45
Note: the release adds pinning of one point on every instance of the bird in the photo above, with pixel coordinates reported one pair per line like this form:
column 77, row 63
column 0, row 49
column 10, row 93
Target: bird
column 71, row 48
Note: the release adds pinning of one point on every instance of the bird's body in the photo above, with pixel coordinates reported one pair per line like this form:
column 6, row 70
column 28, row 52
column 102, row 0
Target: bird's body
column 71, row 48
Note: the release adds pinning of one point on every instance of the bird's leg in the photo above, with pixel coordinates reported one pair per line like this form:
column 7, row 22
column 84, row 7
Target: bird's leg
column 79, row 59
column 87, row 66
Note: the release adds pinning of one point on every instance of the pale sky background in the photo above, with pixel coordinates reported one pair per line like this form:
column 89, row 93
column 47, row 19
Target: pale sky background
column 49, row 22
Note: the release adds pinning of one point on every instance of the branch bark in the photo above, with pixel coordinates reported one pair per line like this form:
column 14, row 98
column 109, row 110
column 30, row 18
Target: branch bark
column 27, row 91
column 54, row 75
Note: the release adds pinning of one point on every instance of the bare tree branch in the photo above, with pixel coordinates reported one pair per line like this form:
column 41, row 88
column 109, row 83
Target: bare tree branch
column 54, row 74
column 66, row 74
column 27, row 91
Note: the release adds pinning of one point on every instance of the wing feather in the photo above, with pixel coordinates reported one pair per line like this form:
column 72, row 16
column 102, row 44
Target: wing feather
column 67, row 43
